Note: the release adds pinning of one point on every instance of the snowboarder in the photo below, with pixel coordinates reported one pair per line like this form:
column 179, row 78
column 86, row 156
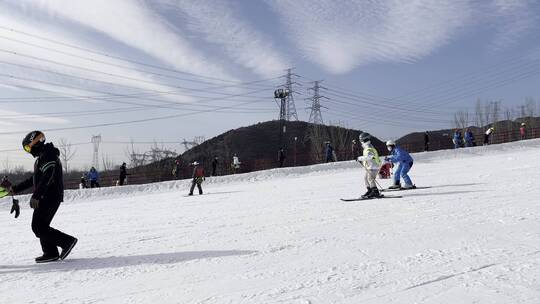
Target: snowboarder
column 457, row 139
column 198, row 178
column 487, row 135
column 371, row 162
column 214, row 166
column 355, row 149
column 405, row 162
column 123, row 174
column 83, row 185
column 281, row 157
column 329, row 152
column 523, row 131
column 236, row 164
column 426, row 141
column 47, row 195
column 469, row 139
column 93, row 176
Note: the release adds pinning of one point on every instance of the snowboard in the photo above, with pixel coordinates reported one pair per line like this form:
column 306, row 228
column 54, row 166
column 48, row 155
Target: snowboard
column 369, row 198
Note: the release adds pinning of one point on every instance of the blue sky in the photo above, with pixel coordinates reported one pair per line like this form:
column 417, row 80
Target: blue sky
column 188, row 67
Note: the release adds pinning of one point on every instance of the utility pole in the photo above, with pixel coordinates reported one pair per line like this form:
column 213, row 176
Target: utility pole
column 290, row 106
column 315, row 116
column 96, row 140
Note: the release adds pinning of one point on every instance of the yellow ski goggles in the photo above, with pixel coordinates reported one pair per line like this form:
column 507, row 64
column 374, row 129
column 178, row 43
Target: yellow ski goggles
column 39, row 138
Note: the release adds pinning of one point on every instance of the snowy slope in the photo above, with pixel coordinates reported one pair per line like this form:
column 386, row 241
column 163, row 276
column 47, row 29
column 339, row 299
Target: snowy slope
column 283, row 236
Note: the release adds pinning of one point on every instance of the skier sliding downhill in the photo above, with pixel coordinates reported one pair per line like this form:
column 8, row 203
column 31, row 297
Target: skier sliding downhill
column 371, row 162
column 404, row 160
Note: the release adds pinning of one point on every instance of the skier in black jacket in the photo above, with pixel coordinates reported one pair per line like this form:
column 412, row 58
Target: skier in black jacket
column 123, row 174
column 48, row 193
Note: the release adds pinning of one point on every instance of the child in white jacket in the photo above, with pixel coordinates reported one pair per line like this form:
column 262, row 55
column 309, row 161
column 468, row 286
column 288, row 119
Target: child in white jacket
column 371, row 162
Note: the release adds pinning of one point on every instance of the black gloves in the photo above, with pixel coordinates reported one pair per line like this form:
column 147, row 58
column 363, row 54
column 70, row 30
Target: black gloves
column 15, row 208
column 34, row 203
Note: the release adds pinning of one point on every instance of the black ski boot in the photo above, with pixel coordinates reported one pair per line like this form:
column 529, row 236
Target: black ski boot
column 46, row 258
column 368, row 193
column 66, row 251
column 375, row 193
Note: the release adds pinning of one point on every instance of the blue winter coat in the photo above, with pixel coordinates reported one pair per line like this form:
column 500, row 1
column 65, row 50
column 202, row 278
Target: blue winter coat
column 329, row 151
column 399, row 155
column 93, row 175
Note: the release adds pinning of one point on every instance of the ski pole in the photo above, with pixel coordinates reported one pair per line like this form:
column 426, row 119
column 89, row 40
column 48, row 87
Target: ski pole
column 375, row 180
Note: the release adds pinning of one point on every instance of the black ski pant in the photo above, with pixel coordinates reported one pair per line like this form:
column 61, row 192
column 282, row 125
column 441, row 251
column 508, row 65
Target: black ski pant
column 193, row 187
column 94, row 184
column 121, row 181
column 49, row 237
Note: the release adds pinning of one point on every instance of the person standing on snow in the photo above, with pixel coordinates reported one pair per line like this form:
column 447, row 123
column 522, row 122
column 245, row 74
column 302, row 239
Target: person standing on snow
column 522, row 131
column 487, row 135
column 281, row 157
column 48, row 185
column 355, row 149
column 457, row 139
column 123, row 174
column 329, row 152
column 214, row 166
column 235, row 164
column 93, row 176
column 404, row 161
column 371, row 162
column 198, row 178
column 426, row 141
column 469, row 139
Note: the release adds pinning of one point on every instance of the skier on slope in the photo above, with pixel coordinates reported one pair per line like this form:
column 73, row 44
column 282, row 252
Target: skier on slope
column 487, row 135
column 47, row 195
column 329, row 152
column 371, row 162
column 457, row 139
column 198, row 178
column 523, row 131
column 469, row 138
column 404, row 160
column 123, row 174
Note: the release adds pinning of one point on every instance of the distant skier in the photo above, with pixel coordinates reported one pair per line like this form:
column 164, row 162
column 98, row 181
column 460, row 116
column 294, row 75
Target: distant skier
column 426, row 141
column 123, row 174
column 469, row 138
column 355, row 149
column 523, row 131
column 48, row 193
column 198, row 178
column 329, row 152
column 236, row 164
column 214, row 166
column 487, row 135
column 371, row 162
column 177, row 169
column 405, row 162
column 281, row 157
column 456, row 139
column 93, row 176
column 83, row 184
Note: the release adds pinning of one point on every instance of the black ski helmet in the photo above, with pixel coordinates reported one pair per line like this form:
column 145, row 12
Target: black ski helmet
column 364, row 137
column 33, row 142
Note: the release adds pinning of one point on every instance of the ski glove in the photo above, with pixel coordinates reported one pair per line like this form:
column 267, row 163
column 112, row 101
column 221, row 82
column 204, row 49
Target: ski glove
column 15, row 208
column 34, row 203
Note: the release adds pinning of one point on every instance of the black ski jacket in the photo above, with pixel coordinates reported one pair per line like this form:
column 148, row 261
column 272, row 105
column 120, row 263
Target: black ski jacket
column 48, row 180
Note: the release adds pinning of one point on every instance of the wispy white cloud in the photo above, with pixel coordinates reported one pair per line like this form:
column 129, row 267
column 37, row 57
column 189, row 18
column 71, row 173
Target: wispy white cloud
column 512, row 19
column 131, row 22
column 221, row 23
column 342, row 35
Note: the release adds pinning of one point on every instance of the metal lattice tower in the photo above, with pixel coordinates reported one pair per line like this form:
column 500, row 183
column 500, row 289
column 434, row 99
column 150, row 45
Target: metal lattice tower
column 315, row 116
column 290, row 107
column 96, row 140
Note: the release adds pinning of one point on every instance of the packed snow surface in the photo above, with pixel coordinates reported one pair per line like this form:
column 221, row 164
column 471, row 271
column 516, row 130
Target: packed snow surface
column 283, row 236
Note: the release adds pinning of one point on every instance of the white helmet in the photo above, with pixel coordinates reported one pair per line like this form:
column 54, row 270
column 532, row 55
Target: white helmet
column 390, row 143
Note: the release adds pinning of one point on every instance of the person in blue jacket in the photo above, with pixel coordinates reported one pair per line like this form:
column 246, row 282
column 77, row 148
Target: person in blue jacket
column 469, row 139
column 329, row 152
column 93, row 176
column 404, row 161
column 457, row 139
